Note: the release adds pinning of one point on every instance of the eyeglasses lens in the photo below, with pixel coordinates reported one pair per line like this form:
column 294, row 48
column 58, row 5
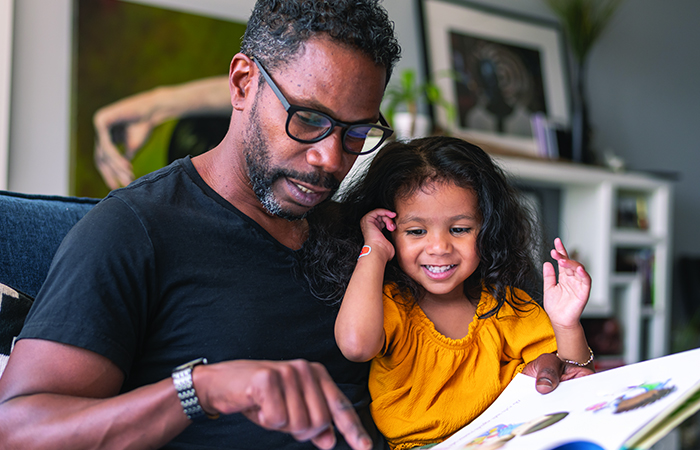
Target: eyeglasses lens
column 310, row 126
column 363, row 138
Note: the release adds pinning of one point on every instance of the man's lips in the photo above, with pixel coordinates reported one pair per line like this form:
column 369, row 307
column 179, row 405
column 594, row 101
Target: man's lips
column 306, row 195
column 305, row 190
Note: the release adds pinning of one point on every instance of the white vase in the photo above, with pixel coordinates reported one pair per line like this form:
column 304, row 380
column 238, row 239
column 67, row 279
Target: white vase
column 405, row 127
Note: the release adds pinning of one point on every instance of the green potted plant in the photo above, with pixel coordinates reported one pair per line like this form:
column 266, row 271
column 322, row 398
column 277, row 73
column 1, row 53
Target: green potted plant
column 583, row 22
column 402, row 99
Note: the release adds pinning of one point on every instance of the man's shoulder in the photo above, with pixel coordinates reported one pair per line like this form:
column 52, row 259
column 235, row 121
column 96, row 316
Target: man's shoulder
column 174, row 189
column 156, row 185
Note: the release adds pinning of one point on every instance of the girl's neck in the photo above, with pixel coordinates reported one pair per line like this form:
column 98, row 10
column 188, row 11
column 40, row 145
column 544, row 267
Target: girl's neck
column 450, row 316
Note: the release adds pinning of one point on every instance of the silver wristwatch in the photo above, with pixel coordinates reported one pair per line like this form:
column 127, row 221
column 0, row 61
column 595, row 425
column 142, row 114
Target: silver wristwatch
column 182, row 379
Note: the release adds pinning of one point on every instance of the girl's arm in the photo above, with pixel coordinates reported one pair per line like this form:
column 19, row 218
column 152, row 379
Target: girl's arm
column 359, row 327
column 564, row 302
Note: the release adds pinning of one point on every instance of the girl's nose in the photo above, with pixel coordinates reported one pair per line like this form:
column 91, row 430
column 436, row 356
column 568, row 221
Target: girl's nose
column 438, row 244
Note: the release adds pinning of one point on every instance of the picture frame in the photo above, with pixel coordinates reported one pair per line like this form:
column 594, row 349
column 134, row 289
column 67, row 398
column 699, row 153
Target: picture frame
column 5, row 78
column 497, row 68
column 124, row 52
column 235, row 10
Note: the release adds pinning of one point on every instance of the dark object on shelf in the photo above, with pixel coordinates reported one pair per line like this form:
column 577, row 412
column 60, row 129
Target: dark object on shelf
column 564, row 144
column 641, row 261
column 604, row 335
column 634, row 260
column 689, row 276
column 632, row 211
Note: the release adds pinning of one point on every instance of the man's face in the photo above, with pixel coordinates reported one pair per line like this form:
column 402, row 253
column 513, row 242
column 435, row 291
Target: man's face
column 263, row 174
column 290, row 178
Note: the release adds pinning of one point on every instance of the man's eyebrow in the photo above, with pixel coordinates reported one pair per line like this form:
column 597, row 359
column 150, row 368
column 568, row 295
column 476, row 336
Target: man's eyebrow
column 315, row 104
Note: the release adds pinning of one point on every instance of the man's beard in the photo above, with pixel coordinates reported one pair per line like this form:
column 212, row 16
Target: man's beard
column 262, row 175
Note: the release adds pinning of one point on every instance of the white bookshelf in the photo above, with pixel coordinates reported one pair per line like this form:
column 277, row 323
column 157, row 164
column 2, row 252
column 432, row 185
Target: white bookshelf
column 591, row 199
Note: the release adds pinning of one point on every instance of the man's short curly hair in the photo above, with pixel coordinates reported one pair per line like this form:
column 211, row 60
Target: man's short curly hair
column 278, row 28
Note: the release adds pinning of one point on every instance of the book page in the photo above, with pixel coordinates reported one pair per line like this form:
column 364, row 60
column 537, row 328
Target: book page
column 606, row 408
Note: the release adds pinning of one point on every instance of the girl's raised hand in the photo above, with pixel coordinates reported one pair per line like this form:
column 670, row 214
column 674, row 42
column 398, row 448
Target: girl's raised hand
column 372, row 225
column 564, row 301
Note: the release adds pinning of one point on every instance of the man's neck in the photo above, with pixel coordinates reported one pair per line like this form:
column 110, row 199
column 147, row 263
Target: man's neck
column 237, row 191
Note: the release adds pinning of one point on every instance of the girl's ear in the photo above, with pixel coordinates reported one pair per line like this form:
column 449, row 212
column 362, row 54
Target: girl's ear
column 241, row 80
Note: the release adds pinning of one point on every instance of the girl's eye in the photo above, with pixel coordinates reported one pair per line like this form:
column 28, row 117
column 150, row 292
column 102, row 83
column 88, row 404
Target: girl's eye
column 415, row 232
column 460, row 230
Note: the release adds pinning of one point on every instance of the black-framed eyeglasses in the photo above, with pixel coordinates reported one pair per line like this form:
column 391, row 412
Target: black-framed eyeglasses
column 308, row 125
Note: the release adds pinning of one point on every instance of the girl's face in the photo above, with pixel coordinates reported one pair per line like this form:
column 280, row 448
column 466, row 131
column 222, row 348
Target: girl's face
column 435, row 237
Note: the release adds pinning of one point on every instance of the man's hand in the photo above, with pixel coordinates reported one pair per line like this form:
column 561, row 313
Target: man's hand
column 295, row 397
column 548, row 371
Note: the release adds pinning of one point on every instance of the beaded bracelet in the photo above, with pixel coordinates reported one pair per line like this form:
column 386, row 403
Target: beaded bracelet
column 576, row 363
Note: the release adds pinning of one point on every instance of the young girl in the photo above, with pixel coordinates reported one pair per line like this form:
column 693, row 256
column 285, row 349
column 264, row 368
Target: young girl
column 435, row 299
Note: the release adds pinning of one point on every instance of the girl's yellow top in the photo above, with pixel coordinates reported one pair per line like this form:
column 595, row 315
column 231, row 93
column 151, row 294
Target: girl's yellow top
column 426, row 386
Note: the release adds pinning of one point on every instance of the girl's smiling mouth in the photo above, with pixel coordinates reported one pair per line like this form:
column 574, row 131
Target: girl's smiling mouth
column 439, row 271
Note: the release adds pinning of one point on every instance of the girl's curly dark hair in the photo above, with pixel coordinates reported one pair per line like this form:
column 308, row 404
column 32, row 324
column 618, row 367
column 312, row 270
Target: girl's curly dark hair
column 505, row 243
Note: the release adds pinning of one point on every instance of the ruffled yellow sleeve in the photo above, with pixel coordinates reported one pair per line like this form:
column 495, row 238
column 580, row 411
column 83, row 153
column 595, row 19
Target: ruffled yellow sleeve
column 526, row 335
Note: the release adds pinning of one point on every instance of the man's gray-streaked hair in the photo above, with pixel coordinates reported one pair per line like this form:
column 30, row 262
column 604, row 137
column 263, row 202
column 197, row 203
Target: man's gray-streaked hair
column 278, row 28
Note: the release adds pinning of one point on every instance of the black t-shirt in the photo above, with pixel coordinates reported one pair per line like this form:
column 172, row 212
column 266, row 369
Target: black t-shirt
column 166, row 271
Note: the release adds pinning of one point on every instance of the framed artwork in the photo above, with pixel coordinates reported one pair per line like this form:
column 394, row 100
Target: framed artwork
column 498, row 69
column 126, row 55
column 5, row 76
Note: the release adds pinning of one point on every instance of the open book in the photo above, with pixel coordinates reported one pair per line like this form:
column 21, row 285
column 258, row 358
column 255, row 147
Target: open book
column 630, row 407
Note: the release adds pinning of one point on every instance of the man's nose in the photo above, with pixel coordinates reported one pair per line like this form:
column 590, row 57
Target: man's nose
column 328, row 153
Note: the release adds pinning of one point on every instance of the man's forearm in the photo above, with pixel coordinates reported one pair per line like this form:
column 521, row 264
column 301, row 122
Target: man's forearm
column 145, row 418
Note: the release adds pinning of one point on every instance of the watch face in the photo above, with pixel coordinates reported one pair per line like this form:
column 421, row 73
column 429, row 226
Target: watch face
column 190, row 364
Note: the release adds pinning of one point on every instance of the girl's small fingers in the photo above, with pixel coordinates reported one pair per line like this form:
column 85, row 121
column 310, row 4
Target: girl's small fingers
column 581, row 271
column 559, row 246
column 385, row 212
column 380, row 212
column 557, row 256
column 548, row 275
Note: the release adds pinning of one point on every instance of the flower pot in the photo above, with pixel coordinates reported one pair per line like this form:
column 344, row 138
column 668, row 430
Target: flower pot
column 408, row 126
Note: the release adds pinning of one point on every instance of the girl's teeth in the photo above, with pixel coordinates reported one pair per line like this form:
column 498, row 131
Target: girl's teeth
column 439, row 269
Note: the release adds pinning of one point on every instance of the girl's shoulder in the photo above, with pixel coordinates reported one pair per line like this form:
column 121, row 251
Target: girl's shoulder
column 517, row 304
column 396, row 298
column 516, row 324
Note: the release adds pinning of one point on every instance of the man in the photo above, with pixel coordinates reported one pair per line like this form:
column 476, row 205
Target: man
column 198, row 260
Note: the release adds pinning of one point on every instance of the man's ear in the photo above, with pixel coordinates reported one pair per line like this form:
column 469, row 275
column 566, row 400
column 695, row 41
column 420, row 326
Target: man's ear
column 241, row 80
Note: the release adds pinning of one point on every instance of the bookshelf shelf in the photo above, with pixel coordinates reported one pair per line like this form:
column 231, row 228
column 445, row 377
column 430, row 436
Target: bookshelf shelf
column 635, row 239
column 622, row 279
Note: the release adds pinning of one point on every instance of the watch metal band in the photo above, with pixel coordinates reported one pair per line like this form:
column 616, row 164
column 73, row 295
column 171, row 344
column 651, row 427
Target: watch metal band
column 182, row 379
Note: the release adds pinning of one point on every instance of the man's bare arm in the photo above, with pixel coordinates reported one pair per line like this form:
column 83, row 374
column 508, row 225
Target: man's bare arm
column 53, row 393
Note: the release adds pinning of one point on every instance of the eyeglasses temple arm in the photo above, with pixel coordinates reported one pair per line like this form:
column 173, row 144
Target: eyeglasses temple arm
column 272, row 85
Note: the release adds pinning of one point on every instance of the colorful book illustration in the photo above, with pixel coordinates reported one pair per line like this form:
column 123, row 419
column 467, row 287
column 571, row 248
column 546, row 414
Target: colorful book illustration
column 629, row 407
